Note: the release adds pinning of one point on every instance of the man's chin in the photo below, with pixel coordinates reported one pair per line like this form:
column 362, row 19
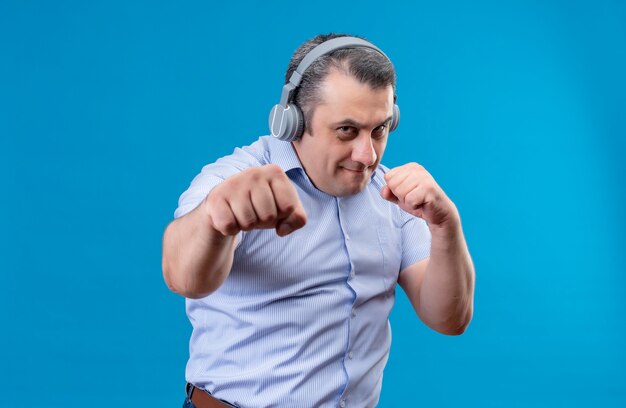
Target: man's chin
column 352, row 188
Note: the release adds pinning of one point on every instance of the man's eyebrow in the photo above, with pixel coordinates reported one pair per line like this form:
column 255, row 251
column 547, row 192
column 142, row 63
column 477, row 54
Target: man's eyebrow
column 347, row 122
column 356, row 124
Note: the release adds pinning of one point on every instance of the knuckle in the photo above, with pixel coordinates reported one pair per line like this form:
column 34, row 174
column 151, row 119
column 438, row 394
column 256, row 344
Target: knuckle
column 246, row 227
column 217, row 193
column 232, row 181
column 212, row 199
column 430, row 190
column 288, row 208
column 415, row 166
column 247, row 223
column 225, row 226
column 273, row 170
column 254, row 174
column 267, row 218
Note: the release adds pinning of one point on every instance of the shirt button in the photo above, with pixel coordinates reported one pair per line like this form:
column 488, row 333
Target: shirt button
column 350, row 355
column 347, row 237
column 353, row 313
column 342, row 403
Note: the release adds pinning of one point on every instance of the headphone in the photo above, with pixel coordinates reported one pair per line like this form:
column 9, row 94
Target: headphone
column 286, row 120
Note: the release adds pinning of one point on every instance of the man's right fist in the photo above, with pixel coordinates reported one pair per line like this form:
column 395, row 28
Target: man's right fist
column 258, row 197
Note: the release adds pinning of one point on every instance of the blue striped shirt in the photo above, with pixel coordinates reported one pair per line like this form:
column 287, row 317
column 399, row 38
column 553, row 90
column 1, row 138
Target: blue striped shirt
column 303, row 320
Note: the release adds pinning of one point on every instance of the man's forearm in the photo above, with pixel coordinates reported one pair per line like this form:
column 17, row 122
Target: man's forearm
column 196, row 258
column 447, row 292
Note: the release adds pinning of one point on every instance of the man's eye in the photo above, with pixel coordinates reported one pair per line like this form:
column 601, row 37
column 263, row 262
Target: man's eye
column 347, row 130
column 379, row 131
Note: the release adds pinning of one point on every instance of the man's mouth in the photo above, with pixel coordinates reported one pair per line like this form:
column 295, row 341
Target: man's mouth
column 356, row 171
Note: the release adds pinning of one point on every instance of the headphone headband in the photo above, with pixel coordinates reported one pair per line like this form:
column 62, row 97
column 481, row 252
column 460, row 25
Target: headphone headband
column 322, row 49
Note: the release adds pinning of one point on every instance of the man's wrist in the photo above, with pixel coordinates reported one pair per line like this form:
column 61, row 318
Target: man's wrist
column 448, row 233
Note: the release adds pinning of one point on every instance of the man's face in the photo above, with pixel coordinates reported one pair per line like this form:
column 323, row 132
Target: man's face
column 347, row 135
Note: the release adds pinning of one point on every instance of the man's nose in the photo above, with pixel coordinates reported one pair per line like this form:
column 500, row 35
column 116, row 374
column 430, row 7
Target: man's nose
column 363, row 151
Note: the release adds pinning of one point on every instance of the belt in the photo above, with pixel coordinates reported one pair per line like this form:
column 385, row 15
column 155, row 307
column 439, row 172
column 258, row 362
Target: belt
column 202, row 399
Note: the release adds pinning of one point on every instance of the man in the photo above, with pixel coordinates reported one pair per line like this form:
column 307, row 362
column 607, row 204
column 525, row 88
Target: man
column 289, row 250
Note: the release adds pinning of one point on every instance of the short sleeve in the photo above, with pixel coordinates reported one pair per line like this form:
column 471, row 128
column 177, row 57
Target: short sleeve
column 200, row 187
column 416, row 240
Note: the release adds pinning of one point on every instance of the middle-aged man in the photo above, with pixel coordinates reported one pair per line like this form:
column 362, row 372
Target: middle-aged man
column 288, row 251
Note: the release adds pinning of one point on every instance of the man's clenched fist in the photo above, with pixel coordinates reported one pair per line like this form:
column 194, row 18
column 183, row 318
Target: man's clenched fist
column 416, row 192
column 258, row 197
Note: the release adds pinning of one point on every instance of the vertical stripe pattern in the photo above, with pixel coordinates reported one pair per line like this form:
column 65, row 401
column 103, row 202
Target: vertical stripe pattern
column 302, row 320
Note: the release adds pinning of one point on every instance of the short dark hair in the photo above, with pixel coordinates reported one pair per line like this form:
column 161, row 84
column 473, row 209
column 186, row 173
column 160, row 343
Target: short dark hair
column 366, row 65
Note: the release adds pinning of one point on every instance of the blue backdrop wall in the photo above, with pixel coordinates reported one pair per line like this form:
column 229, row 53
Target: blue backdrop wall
column 108, row 110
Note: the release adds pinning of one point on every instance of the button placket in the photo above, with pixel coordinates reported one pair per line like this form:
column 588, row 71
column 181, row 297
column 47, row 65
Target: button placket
column 343, row 224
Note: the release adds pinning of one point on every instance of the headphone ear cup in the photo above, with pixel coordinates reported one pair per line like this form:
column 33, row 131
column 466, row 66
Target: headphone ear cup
column 395, row 118
column 286, row 123
column 293, row 123
column 297, row 120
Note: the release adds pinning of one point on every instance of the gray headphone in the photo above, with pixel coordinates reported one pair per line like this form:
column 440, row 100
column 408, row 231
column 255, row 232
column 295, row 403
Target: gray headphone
column 286, row 119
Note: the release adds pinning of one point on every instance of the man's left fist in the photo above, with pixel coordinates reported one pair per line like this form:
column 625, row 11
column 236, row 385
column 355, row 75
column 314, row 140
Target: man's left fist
column 416, row 192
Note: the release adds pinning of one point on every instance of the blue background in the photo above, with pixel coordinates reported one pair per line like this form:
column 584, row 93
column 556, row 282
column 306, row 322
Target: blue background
column 108, row 110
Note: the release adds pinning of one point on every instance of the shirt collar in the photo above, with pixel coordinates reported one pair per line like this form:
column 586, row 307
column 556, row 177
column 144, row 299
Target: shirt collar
column 283, row 154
